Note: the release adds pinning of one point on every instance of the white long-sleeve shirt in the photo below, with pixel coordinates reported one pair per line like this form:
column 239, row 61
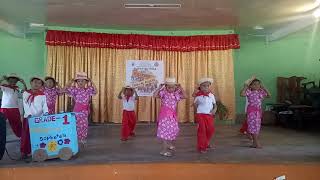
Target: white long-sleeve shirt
column 9, row 97
column 37, row 108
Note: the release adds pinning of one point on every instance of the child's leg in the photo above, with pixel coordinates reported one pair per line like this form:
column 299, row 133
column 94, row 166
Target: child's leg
column 82, row 126
column 201, row 135
column 256, row 143
column 13, row 116
column 165, row 147
column 209, row 129
column 25, row 145
column 125, row 130
column 133, row 121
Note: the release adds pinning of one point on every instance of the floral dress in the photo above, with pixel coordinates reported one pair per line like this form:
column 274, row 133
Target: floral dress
column 81, row 97
column 254, row 110
column 168, row 128
column 51, row 96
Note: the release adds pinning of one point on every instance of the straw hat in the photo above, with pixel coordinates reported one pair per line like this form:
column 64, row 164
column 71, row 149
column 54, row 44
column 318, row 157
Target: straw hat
column 249, row 81
column 81, row 75
column 128, row 86
column 206, row 79
column 170, row 81
column 37, row 77
column 12, row 75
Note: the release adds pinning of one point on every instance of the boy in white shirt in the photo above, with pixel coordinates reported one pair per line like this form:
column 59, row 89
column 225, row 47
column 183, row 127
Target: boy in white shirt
column 128, row 95
column 205, row 104
column 9, row 103
column 34, row 104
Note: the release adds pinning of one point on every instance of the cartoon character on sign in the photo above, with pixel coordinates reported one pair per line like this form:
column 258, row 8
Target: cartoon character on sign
column 52, row 146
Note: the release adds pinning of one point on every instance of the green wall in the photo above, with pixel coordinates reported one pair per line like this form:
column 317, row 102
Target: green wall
column 24, row 56
column 297, row 54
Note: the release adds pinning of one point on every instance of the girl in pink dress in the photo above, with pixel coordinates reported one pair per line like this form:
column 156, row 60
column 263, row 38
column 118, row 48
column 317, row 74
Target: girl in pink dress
column 81, row 95
column 52, row 90
column 255, row 93
column 170, row 94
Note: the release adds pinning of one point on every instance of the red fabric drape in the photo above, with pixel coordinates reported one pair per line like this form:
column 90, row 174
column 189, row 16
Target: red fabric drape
column 150, row 42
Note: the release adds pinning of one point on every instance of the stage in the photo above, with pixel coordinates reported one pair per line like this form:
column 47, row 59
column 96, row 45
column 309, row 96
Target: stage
column 285, row 152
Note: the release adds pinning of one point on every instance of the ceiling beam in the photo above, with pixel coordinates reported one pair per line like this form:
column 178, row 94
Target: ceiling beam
column 11, row 29
column 291, row 28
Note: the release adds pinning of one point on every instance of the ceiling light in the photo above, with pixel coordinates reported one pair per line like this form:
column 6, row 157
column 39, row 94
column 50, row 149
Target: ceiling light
column 316, row 13
column 146, row 6
column 258, row 27
column 36, row 25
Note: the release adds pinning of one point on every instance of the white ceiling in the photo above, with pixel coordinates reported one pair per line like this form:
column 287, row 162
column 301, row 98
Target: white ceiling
column 194, row 14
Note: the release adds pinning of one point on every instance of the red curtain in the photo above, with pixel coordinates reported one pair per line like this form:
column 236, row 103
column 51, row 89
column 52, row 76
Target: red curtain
column 149, row 42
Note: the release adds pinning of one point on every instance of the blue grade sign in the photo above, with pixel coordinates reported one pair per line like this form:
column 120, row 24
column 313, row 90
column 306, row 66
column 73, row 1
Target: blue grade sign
column 53, row 136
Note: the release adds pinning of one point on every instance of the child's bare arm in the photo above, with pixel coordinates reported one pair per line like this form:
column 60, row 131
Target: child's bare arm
column 24, row 84
column 183, row 92
column 156, row 93
column 196, row 90
column 120, row 93
column 93, row 85
column 136, row 94
column 267, row 91
column 214, row 110
column 243, row 91
column 69, row 84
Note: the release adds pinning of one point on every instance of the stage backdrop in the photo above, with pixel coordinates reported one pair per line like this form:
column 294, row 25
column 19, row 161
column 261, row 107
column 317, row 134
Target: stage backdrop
column 144, row 75
column 104, row 57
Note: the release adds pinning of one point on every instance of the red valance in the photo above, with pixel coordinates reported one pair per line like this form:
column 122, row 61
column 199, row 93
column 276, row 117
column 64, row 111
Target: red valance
column 150, row 42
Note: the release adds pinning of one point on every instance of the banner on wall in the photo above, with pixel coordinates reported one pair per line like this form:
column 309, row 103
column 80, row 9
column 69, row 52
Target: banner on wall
column 144, row 75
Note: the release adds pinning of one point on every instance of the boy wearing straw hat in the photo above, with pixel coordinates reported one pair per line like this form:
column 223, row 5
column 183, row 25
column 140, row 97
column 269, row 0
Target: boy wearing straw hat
column 10, row 102
column 128, row 95
column 34, row 104
column 205, row 104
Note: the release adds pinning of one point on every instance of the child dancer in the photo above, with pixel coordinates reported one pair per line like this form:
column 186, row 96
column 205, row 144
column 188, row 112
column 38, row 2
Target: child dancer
column 170, row 94
column 52, row 90
column 205, row 104
column 81, row 95
column 255, row 93
column 10, row 104
column 128, row 95
column 34, row 104
column 244, row 127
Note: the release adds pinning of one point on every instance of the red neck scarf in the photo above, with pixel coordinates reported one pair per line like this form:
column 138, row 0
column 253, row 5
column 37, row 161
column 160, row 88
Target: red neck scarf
column 33, row 94
column 128, row 97
column 201, row 93
column 14, row 87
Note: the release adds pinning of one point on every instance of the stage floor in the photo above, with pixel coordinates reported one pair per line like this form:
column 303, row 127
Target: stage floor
column 280, row 146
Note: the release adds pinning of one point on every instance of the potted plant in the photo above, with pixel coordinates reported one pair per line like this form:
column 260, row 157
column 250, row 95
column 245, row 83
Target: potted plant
column 222, row 111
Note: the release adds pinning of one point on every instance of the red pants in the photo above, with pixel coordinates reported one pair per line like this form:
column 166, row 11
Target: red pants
column 128, row 124
column 205, row 130
column 13, row 115
column 25, row 138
